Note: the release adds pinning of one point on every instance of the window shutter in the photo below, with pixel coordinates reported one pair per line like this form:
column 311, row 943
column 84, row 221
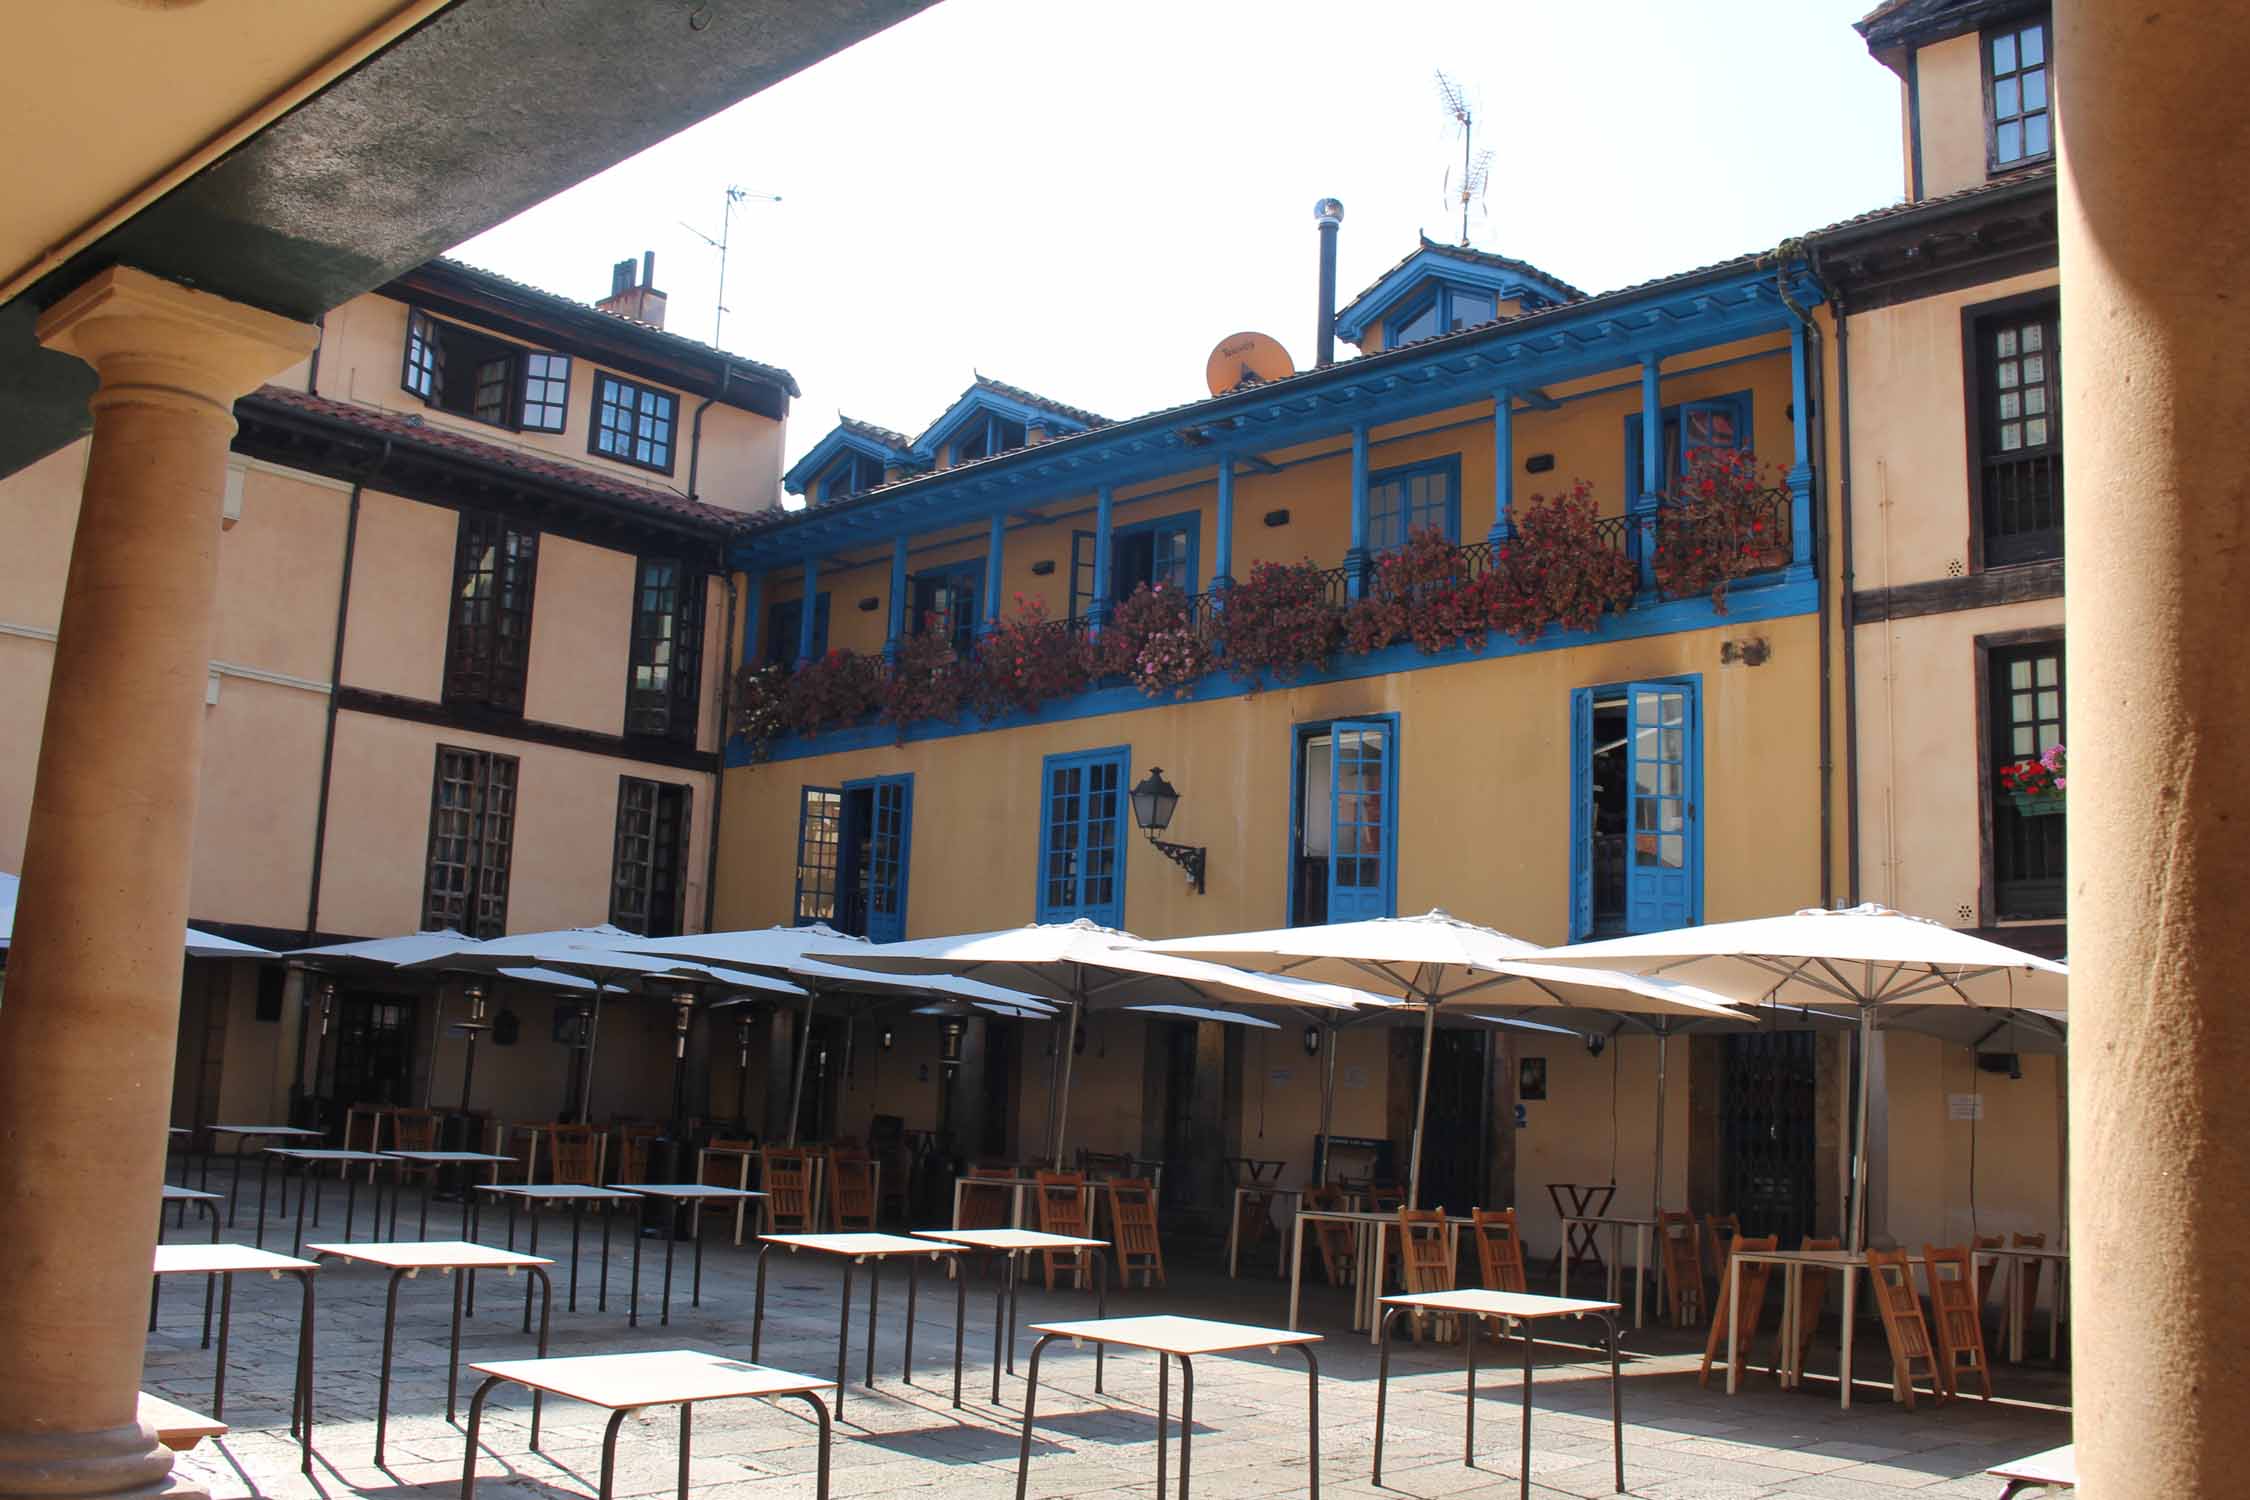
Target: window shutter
column 1663, row 843
column 1581, row 812
column 1359, row 821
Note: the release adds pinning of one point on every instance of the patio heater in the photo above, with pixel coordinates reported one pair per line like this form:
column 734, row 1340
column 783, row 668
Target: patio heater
column 742, row 1030
column 683, row 1016
column 472, row 1029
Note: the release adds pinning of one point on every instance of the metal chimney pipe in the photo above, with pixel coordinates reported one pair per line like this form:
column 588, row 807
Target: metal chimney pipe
column 1328, row 214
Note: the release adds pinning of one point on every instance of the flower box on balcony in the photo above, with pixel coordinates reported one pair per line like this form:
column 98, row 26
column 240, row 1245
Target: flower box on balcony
column 2037, row 804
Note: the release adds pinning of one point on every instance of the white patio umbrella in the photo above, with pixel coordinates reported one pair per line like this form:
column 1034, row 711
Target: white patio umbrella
column 1435, row 959
column 200, row 944
column 1859, row 960
column 1084, row 965
column 1202, row 1013
column 783, row 951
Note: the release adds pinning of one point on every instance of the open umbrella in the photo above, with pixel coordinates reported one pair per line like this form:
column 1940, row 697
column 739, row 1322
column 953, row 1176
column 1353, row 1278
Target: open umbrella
column 1432, row 960
column 200, row 944
column 1082, row 964
column 1858, row 960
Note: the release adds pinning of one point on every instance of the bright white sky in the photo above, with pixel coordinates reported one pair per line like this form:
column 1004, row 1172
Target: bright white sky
column 1083, row 198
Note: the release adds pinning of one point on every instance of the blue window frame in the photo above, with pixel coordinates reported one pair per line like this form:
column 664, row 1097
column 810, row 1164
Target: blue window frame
column 1344, row 821
column 1081, row 836
column 982, row 434
column 947, row 597
column 874, row 838
column 1444, row 308
column 850, row 475
column 820, row 817
column 1636, row 807
column 1689, row 426
column 1164, row 550
column 784, row 621
column 1411, row 498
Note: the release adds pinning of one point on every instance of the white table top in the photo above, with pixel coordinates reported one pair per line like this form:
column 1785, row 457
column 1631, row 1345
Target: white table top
column 313, row 1153
column 1837, row 1259
column 1492, row 1304
column 2022, row 1252
column 258, row 1130
column 1165, row 1334
column 1617, row 1219
column 190, row 1195
column 446, row 1156
column 427, row 1255
column 2055, row 1466
column 859, row 1245
column 552, row 1190
column 176, row 1426
column 210, row 1260
column 685, row 1190
column 655, row 1378
column 1369, row 1216
column 1011, row 1239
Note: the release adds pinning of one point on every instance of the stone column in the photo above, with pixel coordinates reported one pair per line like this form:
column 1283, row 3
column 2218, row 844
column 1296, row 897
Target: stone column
column 2156, row 417
column 86, row 1036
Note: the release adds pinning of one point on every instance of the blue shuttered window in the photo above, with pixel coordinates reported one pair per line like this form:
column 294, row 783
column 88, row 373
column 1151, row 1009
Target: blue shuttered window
column 1362, row 828
column 1417, row 497
column 877, row 831
column 782, row 624
column 1159, row 552
column 1636, row 823
column 1081, row 833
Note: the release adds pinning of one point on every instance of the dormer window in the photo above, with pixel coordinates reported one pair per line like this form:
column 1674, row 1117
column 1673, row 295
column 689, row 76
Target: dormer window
column 1442, row 309
column 2016, row 94
column 850, row 475
column 985, row 434
column 485, row 379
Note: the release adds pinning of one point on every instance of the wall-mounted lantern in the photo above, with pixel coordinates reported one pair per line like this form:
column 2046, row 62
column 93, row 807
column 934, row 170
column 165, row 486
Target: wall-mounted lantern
column 1154, row 802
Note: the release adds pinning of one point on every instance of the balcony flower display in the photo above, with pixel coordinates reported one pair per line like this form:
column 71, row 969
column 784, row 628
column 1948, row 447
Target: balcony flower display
column 1725, row 520
column 1558, row 568
column 1151, row 640
column 840, row 688
column 2037, row 787
column 1429, row 592
column 1028, row 660
column 1278, row 621
column 929, row 679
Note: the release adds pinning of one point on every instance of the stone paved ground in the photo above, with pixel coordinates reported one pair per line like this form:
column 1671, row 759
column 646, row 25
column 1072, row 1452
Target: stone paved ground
column 1682, row 1442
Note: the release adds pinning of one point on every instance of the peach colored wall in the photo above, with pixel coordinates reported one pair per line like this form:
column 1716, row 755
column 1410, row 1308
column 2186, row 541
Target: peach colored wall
column 1950, row 79
column 259, row 794
column 395, row 640
column 579, row 653
column 1598, row 1124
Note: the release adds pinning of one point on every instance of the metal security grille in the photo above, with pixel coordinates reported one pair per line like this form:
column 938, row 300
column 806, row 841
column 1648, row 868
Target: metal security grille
column 2022, row 470
column 651, row 841
column 472, row 839
column 2028, row 846
column 663, row 694
column 1766, row 1131
column 488, row 648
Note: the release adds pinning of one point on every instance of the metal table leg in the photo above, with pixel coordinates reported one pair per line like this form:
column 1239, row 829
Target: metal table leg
column 383, row 1375
column 874, row 1297
column 633, row 1299
column 820, row 1414
column 532, row 1210
column 1471, row 1330
column 577, row 1223
column 1383, row 1385
column 301, row 1403
column 695, row 1229
column 913, row 1283
column 1030, row 1401
column 609, row 1213
column 758, row 1314
column 1312, row 1418
column 1163, row 1413
column 960, row 1323
column 226, row 1323
column 1616, row 1403
column 1187, row 1423
column 843, row 1339
column 671, row 1247
column 1524, row 1475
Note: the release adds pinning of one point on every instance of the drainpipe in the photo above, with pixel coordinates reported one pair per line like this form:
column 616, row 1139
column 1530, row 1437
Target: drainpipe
column 1847, row 610
column 1328, row 214
column 695, row 429
column 1816, row 459
column 335, row 686
column 719, row 777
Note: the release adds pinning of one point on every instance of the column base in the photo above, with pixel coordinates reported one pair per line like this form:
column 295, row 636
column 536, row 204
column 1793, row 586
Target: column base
column 111, row 1463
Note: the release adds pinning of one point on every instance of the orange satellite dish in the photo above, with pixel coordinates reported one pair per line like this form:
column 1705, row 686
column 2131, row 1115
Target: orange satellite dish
column 1246, row 359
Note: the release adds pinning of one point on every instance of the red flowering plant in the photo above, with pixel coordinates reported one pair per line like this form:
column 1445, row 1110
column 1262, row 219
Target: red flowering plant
column 1027, row 660
column 1428, row 592
column 2037, row 787
column 1151, row 639
column 840, row 688
column 1558, row 567
column 1726, row 519
column 761, row 708
column 929, row 680
column 1278, row 620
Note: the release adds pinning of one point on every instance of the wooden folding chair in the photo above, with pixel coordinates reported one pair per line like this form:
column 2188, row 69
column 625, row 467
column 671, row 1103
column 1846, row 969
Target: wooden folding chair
column 1909, row 1337
column 2023, row 1275
column 412, row 1130
column 1812, row 1301
column 1956, row 1311
column 1682, row 1243
column 1063, row 1209
column 1754, row 1276
column 1426, row 1261
column 574, row 1155
column 1722, row 1228
column 851, row 1191
column 1987, row 1270
column 1339, row 1248
column 633, row 1143
column 788, row 1186
column 1132, row 1217
column 1499, row 1249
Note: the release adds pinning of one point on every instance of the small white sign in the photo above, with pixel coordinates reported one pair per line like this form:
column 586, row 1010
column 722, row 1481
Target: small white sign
column 1355, row 1078
column 1964, row 1106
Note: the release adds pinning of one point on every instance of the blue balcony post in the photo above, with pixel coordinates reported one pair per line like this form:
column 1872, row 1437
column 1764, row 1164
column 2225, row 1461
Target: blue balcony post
column 1097, row 608
column 896, row 634
column 1503, row 467
column 1652, row 469
column 996, row 541
column 808, row 615
column 1222, row 576
column 1800, row 469
column 1355, row 560
column 753, row 617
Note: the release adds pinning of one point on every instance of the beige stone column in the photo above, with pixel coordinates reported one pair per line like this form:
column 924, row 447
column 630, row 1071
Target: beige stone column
column 2155, row 229
column 86, row 1035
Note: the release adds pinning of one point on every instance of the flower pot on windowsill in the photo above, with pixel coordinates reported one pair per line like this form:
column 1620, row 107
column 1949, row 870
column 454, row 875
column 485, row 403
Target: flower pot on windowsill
column 2037, row 804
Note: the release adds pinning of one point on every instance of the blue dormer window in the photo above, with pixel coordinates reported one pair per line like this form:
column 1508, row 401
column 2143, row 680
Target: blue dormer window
column 1443, row 309
column 850, row 476
column 985, row 434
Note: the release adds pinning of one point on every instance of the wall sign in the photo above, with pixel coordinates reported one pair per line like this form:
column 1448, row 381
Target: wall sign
column 1531, row 1078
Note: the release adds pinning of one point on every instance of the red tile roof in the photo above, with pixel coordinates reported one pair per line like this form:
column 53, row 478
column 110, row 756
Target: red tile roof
column 1033, row 398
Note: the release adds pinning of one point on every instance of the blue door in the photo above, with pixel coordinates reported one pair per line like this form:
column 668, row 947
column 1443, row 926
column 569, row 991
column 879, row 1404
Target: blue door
column 879, row 819
column 1664, row 860
column 1581, row 812
column 1359, row 821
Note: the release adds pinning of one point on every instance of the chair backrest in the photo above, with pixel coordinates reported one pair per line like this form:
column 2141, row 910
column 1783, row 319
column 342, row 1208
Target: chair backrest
column 575, row 1154
column 787, row 1180
column 1986, row 1269
column 413, row 1130
column 1327, row 1196
column 1723, row 1229
column 1901, row 1306
column 725, row 1170
column 1499, row 1249
column 1424, row 1247
column 851, row 1186
column 1683, row 1246
column 2026, row 1282
column 1132, row 1217
column 1385, row 1197
column 633, row 1150
column 1062, row 1202
column 1100, row 1166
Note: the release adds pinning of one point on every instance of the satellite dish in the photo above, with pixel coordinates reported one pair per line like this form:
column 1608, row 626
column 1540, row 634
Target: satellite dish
column 1246, row 359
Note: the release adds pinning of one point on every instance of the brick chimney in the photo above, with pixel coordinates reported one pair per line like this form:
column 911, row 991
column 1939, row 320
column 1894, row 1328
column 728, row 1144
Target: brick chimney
column 640, row 301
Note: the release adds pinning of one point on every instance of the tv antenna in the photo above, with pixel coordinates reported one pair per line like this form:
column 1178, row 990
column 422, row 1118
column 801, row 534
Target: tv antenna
column 734, row 196
column 1476, row 166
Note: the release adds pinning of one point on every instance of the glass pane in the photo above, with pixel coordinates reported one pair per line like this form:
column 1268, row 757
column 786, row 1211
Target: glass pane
column 2006, row 99
column 2035, row 431
column 2011, row 404
column 1672, row 851
column 2019, row 707
column 2034, row 45
column 2011, row 436
column 2034, row 369
column 2009, row 374
column 2004, row 54
column 2025, row 741
column 1672, row 780
column 2005, row 344
column 2050, row 735
column 2048, row 668
column 1644, row 783
column 2034, row 337
column 2050, row 704
column 2009, row 141
column 2035, row 400
column 2035, row 89
column 2035, row 138
column 1675, row 744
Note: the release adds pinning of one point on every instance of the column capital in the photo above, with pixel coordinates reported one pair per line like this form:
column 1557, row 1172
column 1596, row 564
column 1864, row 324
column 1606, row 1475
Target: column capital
column 152, row 336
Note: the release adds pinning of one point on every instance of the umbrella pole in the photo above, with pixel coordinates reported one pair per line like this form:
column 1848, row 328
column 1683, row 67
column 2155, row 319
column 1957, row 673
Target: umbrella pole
column 1422, row 1102
column 1859, row 1152
column 804, row 1050
column 1327, row 1102
column 1062, row 1103
column 586, row 1065
column 1656, row 1192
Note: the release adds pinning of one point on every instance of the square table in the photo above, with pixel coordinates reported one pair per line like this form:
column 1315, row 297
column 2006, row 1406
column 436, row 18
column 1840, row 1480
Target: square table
column 743, row 1157
column 209, row 1203
column 243, row 1135
column 674, row 1193
column 226, row 1262
column 1017, row 1186
column 2055, row 1469
column 530, row 1196
column 407, row 1260
column 1172, row 1338
column 434, row 1160
column 2060, row 1260
column 308, row 1185
column 1234, row 1224
column 1473, row 1305
column 854, row 1249
column 624, row 1383
column 1014, row 1246
column 1368, row 1262
column 1593, row 1224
